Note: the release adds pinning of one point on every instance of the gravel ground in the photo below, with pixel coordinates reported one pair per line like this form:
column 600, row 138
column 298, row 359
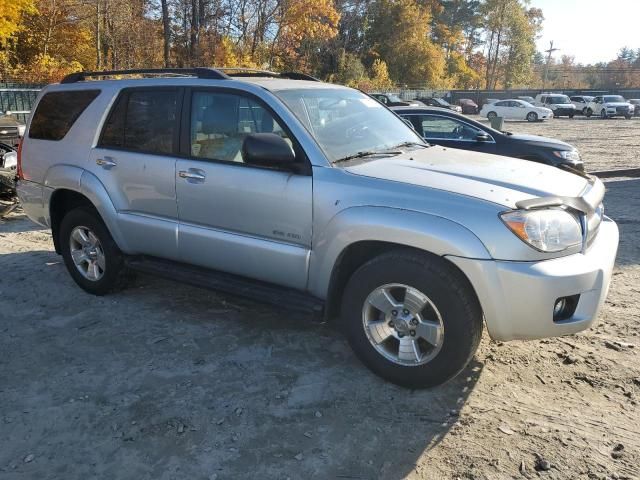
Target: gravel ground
column 603, row 144
column 165, row 381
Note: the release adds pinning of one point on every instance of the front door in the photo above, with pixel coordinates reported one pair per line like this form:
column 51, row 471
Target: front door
column 233, row 217
column 135, row 161
column 452, row 132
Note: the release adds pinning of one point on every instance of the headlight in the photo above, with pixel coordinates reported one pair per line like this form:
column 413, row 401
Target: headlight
column 571, row 155
column 21, row 130
column 549, row 230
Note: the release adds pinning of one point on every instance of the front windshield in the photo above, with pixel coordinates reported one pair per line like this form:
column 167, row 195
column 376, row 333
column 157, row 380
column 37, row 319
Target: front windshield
column 614, row 98
column 559, row 99
column 346, row 122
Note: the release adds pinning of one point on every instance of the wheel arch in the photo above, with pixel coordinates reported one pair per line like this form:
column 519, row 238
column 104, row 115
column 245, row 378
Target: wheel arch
column 358, row 234
column 76, row 189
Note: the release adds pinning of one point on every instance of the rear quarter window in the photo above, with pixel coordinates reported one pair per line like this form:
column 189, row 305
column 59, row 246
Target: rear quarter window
column 58, row 111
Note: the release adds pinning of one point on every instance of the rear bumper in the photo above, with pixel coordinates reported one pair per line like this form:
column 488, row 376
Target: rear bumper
column 32, row 201
column 517, row 298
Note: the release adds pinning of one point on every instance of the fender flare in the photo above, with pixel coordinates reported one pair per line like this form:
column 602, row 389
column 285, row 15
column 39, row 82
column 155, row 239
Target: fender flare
column 81, row 181
column 406, row 228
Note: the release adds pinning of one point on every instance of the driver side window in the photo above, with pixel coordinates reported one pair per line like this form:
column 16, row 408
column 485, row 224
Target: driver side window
column 443, row 128
column 221, row 121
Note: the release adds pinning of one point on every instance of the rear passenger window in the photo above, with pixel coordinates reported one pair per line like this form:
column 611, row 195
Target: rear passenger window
column 57, row 112
column 143, row 120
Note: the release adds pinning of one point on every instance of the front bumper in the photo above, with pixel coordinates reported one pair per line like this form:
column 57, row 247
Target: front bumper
column 563, row 111
column 517, row 298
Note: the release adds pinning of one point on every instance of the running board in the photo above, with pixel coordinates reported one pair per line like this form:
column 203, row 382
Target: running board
column 287, row 298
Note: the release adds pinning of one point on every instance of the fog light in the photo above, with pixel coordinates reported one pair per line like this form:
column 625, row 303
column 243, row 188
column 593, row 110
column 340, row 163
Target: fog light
column 565, row 307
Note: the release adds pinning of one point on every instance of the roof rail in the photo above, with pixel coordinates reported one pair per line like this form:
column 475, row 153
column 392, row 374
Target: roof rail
column 200, row 72
column 254, row 72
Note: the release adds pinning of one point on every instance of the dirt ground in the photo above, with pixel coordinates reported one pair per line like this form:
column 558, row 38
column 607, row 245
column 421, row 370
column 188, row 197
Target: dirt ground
column 166, row 381
column 603, row 144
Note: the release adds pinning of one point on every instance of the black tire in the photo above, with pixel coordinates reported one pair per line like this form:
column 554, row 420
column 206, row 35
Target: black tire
column 584, row 112
column 446, row 287
column 589, row 112
column 532, row 117
column 603, row 114
column 627, row 117
column 491, row 115
column 571, row 116
column 116, row 275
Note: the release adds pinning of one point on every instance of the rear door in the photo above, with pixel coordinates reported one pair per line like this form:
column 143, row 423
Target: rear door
column 135, row 161
column 234, row 217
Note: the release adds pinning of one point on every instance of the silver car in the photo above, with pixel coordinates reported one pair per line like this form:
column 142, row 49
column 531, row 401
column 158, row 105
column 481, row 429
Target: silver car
column 317, row 198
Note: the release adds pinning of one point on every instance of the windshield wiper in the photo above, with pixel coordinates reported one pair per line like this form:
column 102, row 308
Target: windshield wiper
column 410, row 144
column 369, row 153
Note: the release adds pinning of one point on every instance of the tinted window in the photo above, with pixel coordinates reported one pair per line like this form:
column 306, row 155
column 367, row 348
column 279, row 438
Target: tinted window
column 436, row 127
column 143, row 120
column 221, row 121
column 58, row 111
column 502, row 104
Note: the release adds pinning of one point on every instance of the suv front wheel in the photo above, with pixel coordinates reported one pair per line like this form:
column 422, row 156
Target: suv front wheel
column 91, row 256
column 412, row 318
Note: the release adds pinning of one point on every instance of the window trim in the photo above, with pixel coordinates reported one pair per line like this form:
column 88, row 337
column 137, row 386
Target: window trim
column 450, row 117
column 184, row 150
column 126, row 93
column 93, row 90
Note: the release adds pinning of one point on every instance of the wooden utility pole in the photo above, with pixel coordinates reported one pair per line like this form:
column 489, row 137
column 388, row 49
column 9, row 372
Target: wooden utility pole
column 546, row 68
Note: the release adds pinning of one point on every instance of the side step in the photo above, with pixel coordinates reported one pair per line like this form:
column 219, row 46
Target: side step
column 287, row 298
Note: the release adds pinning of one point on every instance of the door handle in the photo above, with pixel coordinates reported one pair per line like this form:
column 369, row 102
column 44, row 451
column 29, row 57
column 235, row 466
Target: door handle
column 105, row 162
column 191, row 175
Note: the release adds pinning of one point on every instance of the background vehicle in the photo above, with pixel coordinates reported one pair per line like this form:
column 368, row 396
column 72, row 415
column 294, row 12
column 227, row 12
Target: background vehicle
column 8, row 166
column 468, row 106
column 581, row 102
column 609, row 106
column 636, row 106
column 392, row 100
column 527, row 99
column 515, row 110
column 314, row 197
column 490, row 100
column 444, row 127
column 559, row 104
column 439, row 102
column 11, row 129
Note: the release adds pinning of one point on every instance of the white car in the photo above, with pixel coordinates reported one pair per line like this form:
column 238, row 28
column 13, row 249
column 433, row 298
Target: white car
column 515, row 110
column 559, row 104
column 581, row 102
column 608, row 106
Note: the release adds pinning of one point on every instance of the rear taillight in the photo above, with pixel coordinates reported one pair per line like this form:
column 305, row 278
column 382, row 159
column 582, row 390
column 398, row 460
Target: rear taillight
column 19, row 168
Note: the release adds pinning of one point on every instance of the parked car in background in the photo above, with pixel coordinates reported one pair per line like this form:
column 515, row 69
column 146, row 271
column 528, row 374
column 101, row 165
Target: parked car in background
column 515, row 110
column 468, row 106
column 439, row 102
column 490, row 100
column 392, row 100
column 8, row 169
column 450, row 129
column 636, row 106
column 581, row 102
column 11, row 129
column 559, row 104
column 314, row 197
column 609, row 106
column 527, row 99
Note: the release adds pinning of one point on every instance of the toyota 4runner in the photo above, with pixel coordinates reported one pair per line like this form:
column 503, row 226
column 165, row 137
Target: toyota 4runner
column 314, row 197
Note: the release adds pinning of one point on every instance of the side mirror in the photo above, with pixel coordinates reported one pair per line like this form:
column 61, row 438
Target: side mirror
column 267, row 150
column 482, row 137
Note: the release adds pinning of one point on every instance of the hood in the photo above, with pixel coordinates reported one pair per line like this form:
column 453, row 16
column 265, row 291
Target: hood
column 541, row 141
column 496, row 179
column 617, row 104
column 562, row 105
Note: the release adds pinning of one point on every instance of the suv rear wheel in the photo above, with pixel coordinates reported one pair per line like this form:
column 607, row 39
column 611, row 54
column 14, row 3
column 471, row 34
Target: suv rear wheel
column 90, row 254
column 412, row 318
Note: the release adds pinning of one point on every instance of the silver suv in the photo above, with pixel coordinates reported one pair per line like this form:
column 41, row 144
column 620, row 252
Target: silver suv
column 315, row 197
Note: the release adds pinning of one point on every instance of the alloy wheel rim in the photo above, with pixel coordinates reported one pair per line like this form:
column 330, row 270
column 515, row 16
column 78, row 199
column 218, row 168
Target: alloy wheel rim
column 403, row 324
column 87, row 253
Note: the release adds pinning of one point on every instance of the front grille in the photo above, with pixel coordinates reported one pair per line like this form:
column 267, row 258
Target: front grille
column 8, row 133
column 622, row 109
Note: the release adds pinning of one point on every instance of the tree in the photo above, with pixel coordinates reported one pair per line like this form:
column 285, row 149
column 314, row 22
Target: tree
column 10, row 13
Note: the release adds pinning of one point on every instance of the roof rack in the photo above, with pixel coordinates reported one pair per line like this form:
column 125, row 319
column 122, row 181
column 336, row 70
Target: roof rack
column 254, row 72
column 200, row 72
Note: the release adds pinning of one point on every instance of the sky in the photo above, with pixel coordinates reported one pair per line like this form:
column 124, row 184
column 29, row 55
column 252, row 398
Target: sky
column 591, row 30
